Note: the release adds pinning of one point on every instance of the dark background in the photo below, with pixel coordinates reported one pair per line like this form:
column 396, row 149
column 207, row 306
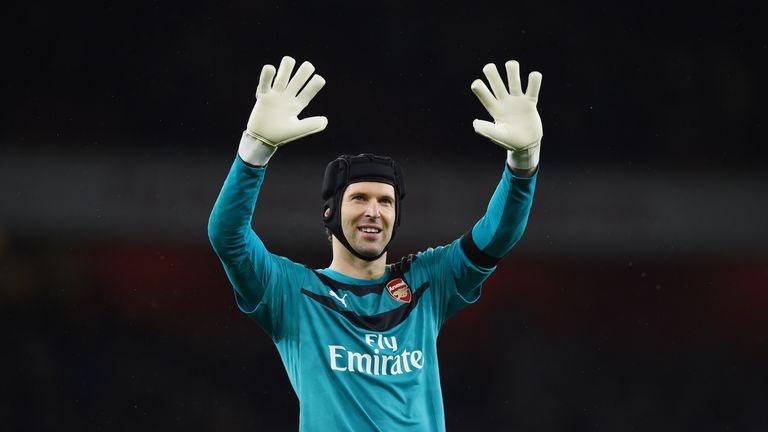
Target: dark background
column 635, row 301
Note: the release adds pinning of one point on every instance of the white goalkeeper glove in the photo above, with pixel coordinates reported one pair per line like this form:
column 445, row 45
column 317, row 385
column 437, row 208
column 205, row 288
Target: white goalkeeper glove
column 517, row 125
column 274, row 120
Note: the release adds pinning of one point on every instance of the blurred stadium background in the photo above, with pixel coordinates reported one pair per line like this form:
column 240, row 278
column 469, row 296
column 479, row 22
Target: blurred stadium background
column 635, row 301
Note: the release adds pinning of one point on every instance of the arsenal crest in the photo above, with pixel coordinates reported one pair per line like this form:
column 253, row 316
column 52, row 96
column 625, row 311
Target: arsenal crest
column 399, row 290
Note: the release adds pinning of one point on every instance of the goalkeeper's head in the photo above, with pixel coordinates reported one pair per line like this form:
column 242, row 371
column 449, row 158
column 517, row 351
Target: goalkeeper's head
column 363, row 196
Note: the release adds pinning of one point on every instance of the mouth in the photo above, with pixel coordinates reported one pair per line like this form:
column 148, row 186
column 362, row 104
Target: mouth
column 370, row 232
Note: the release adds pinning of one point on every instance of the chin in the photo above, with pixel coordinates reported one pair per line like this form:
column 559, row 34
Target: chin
column 369, row 252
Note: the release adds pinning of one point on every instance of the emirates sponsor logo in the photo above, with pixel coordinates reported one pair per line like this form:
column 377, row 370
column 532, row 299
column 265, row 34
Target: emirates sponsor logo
column 378, row 362
column 399, row 290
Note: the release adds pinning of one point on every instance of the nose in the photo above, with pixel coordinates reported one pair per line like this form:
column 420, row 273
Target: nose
column 372, row 209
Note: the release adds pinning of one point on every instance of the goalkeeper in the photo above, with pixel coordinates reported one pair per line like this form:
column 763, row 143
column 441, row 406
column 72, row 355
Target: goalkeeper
column 359, row 339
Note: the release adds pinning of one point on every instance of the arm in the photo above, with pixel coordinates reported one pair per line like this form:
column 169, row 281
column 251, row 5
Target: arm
column 246, row 260
column 463, row 266
column 503, row 223
column 273, row 122
column 517, row 128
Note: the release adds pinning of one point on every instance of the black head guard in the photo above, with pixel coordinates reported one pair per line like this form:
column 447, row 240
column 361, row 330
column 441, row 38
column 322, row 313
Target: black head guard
column 346, row 170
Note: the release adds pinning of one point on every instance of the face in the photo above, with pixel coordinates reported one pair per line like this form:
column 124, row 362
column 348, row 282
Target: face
column 367, row 216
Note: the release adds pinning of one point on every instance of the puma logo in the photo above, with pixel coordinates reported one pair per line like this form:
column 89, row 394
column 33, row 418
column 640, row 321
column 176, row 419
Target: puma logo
column 340, row 299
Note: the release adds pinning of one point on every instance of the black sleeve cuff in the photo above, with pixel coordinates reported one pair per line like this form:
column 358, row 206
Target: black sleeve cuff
column 478, row 257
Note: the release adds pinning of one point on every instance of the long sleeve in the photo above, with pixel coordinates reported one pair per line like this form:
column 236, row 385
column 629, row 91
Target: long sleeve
column 460, row 268
column 248, row 264
column 503, row 224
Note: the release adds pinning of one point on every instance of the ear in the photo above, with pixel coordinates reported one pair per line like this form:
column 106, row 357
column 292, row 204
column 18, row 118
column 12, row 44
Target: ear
column 327, row 213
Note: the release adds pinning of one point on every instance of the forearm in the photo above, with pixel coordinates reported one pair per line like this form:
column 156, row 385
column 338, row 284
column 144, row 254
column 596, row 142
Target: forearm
column 229, row 226
column 246, row 260
column 505, row 220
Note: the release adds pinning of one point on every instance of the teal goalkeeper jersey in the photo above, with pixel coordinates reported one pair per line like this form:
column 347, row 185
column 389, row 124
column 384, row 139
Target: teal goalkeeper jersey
column 361, row 355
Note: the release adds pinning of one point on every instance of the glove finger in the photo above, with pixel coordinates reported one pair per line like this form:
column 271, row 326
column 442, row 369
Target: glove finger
column 313, row 86
column 534, row 85
column 265, row 80
column 284, row 73
column 513, row 76
column 481, row 91
column 488, row 130
column 311, row 125
column 484, row 128
column 300, row 78
column 494, row 79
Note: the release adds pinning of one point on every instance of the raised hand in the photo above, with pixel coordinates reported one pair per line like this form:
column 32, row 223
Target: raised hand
column 274, row 119
column 517, row 125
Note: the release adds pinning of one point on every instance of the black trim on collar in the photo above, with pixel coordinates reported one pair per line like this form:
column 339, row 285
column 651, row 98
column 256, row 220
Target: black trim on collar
column 379, row 322
column 477, row 256
column 358, row 290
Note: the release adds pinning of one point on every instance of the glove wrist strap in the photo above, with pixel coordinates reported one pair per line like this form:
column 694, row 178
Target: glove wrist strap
column 524, row 159
column 255, row 151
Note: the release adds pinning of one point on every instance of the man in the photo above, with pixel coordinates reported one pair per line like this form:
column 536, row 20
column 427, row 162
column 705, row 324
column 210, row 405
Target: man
column 358, row 339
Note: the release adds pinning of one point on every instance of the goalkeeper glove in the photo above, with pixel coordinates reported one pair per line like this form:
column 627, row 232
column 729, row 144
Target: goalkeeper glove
column 517, row 125
column 274, row 120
